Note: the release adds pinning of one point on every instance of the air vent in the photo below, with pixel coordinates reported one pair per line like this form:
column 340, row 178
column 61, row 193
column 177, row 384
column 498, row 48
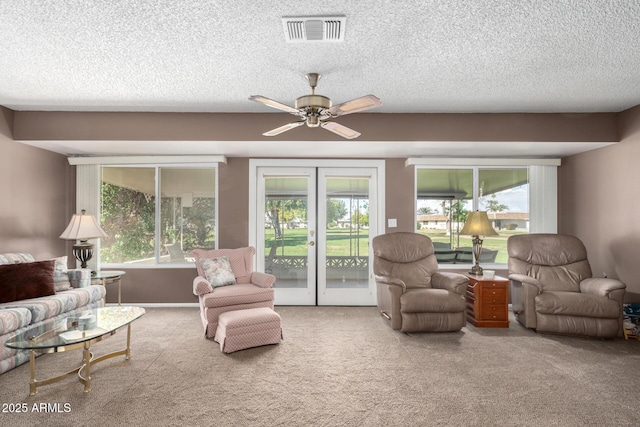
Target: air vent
column 314, row 29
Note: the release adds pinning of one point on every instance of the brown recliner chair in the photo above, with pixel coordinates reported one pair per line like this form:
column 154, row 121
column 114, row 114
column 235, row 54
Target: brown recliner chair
column 412, row 293
column 552, row 290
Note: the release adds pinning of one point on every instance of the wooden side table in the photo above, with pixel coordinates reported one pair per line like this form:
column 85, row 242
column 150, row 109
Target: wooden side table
column 488, row 302
column 104, row 277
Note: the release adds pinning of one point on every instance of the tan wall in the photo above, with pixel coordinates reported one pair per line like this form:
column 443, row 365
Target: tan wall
column 599, row 201
column 233, row 203
column 155, row 286
column 6, row 123
column 37, row 193
column 400, row 195
column 379, row 127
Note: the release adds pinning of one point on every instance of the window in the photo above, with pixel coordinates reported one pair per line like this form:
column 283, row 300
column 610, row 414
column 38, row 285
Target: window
column 445, row 195
column 504, row 194
column 156, row 214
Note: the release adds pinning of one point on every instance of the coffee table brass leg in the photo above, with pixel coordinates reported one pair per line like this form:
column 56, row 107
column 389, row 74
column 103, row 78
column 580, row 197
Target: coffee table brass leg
column 128, row 353
column 32, row 373
column 87, row 369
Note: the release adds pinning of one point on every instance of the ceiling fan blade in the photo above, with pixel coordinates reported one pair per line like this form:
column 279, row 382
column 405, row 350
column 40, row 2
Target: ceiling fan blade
column 341, row 130
column 274, row 104
column 355, row 105
column 278, row 131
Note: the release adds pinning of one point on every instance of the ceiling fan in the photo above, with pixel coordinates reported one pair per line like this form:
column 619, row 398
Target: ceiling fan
column 314, row 110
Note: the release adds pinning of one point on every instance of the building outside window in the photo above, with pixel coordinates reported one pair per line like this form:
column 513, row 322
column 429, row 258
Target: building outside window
column 445, row 196
column 156, row 214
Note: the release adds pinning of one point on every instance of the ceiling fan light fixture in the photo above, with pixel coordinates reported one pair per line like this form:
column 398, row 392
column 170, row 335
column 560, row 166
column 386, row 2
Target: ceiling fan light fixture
column 313, row 121
column 314, row 110
column 313, row 101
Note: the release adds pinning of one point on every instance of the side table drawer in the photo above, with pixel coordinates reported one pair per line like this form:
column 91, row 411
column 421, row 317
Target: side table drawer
column 494, row 296
column 494, row 312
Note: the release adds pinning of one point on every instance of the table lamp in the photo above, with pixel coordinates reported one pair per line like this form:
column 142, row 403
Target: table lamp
column 83, row 227
column 477, row 225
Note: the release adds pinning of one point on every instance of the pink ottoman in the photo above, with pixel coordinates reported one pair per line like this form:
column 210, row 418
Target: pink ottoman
column 242, row 329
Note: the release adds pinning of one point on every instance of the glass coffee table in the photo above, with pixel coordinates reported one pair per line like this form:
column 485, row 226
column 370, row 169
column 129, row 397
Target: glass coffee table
column 76, row 332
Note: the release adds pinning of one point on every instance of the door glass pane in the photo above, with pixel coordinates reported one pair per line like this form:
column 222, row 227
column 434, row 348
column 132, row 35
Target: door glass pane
column 347, row 232
column 444, row 198
column 285, row 234
column 504, row 194
column 187, row 212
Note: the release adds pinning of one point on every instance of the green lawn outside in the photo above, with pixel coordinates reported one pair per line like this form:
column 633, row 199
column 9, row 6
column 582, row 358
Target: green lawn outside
column 341, row 243
column 498, row 243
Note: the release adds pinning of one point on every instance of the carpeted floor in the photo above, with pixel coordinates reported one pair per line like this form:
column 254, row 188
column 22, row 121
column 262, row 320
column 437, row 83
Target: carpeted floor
column 337, row 366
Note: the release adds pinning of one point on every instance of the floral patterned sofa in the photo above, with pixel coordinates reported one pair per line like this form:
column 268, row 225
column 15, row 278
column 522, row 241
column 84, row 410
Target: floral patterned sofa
column 59, row 294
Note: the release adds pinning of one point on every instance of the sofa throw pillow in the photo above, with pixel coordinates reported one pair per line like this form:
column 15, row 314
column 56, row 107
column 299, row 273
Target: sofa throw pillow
column 60, row 275
column 27, row 280
column 218, row 271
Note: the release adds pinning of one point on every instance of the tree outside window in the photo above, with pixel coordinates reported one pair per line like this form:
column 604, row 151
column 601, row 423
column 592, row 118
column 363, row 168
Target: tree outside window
column 130, row 211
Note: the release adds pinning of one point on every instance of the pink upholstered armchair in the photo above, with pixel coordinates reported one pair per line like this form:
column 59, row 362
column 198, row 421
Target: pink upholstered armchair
column 250, row 289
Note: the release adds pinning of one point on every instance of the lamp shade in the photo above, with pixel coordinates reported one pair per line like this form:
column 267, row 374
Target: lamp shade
column 83, row 227
column 478, row 225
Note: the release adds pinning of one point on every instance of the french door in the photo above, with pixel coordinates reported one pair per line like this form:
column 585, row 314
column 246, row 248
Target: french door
column 347, row 218
column 286, row 240
column 314, row 227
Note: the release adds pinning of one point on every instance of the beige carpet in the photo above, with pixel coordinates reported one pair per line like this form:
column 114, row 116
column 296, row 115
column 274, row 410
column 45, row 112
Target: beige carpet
column 339, row 367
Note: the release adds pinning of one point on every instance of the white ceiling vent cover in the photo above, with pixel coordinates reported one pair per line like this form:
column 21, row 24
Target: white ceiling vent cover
column 313, row 28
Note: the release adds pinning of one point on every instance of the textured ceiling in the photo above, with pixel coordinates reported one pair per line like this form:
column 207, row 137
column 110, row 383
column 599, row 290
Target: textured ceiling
column 433, row 56
column 417, row 56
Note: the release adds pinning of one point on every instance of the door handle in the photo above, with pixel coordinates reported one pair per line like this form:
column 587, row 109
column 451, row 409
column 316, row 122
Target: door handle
column 312, row 243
